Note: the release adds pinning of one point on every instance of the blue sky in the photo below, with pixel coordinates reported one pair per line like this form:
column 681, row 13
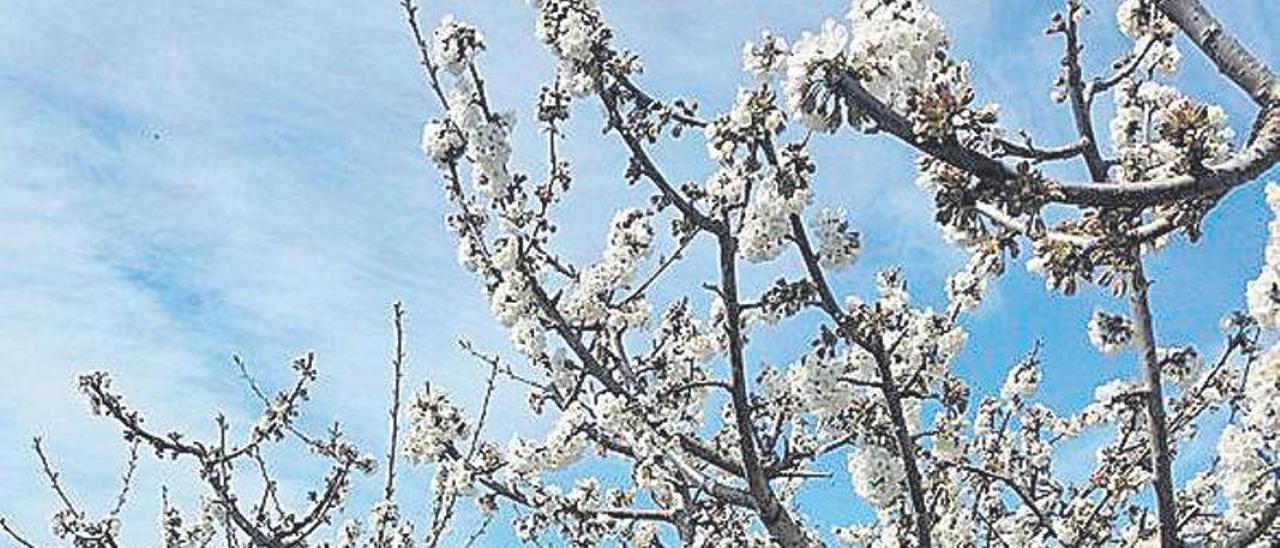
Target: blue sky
column 184, row 181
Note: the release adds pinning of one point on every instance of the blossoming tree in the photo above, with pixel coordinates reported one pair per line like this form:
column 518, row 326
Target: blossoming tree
column 717, row 449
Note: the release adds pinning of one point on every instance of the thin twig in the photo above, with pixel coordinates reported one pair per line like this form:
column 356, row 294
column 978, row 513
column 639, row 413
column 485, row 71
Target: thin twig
column 53, row 476
column 18, row 538
column 397, row 367
column 126, row 481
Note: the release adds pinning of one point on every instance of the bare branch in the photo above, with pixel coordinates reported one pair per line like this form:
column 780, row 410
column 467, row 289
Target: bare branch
column 397, row 372
column 126, row 480
column 53, row 477
column 13, row 534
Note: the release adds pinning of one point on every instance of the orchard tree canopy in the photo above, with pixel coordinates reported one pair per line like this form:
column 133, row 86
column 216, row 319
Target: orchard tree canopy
column 666, row 423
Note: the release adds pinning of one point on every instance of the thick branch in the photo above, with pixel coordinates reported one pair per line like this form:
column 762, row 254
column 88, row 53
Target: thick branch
column 1262, row 153
column 777, row 520
column 1228, row 54
column 1037, row 154
column 1161, row 458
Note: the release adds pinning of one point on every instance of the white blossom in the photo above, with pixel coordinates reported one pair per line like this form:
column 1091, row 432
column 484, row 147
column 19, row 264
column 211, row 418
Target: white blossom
column 453, row 478
column 967, row 286
column 1022, row 381
column 765, row 57
column 175, row 532
column 529, row 338
column 1263, row 293
column 896, row 46
column 728, row 185
column 838, row 243
column 877, row 475
column 455, row 44
column 1143, row 21
column 511, row 299
column 812, row 56
column 629, row 240
column 574, row 30
column 766, row 222
column 1158, row 132
column 442, row 143
column 1262, row 393
column 1241, row 467
column 434, row 424
column 1110, row 333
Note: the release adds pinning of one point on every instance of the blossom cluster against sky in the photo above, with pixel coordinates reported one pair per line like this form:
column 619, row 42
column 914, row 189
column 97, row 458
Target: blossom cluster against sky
column 184, row 181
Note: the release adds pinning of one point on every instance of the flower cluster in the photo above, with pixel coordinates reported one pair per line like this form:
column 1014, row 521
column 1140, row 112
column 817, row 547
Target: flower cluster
column 1182, row 365
column 1110, row 333
column 682, row 338
column 753, row 118
column 629, row 241
column 1158, row 132
column 175, row 532
column 442, row 143
column 1249, row 447
column 576, row 33
column 562, row 447
column 899, row 50
column 69, row 525
column 838, row 243
column 877, row 475
column 1065, row 265
column 455, row 44
column 484, row 136
column 1262, row 406
column 1242, row 476
column 1022, row 381
column 512, row 299
column 819, row 385
column 1153, row 33
column 765, row 58
column 434, row 425
column 966, row 287
column 1263, row 292
column 453, row 478
column 727, row 187
column 766, row 222
column 815, row 59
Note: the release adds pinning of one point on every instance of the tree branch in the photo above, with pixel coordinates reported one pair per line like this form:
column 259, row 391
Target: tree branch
column 781, row 525
column 13, row 534
column 1080, row 106
column 397, row 368
column 1262, row 153
column 888, row 388
column 1161, row 457
column 1235, row 61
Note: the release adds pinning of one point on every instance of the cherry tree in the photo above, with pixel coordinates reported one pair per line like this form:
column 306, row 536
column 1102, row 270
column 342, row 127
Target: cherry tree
column 717, row 449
